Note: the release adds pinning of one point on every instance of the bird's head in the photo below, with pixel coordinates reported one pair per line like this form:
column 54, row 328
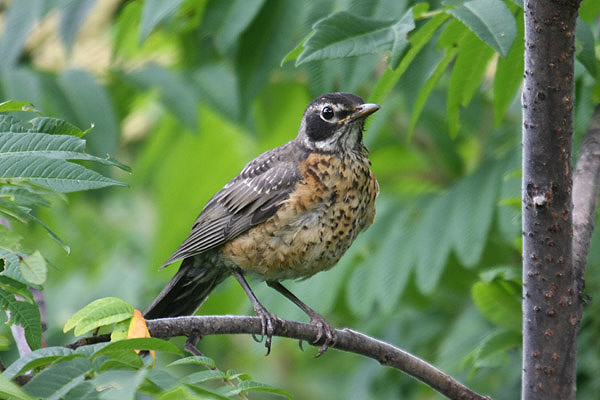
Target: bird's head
column 335, row 122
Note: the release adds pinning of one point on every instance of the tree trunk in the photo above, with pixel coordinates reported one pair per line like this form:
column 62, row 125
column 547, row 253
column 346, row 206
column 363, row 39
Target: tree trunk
column 550, row 295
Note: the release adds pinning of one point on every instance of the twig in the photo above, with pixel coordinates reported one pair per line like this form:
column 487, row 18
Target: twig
column 346, row 340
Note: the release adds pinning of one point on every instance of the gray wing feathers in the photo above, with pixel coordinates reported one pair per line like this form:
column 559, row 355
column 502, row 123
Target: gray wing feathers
column 247, row 200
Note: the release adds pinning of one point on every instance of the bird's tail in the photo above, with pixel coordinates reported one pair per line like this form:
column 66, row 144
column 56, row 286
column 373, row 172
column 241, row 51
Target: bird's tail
column 187, row 290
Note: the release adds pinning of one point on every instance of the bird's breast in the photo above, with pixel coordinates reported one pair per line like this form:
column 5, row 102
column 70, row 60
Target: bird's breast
column 332, row 203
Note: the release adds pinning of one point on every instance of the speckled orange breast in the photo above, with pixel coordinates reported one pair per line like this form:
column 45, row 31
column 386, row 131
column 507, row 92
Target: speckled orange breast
column 315, row 226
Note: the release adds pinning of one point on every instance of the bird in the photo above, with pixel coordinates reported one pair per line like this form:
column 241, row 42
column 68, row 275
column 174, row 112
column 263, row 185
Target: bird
column 291, row 212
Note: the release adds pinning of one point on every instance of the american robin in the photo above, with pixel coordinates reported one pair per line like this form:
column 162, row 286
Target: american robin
column 291, row 212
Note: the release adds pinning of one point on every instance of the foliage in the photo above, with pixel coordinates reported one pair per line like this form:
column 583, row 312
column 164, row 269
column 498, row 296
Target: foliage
column 187, row 92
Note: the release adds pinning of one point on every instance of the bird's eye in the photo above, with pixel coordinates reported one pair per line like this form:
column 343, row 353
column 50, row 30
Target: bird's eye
column 327, row 112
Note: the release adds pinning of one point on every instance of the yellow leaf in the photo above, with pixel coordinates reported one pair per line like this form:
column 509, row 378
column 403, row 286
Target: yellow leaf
column 138, row 329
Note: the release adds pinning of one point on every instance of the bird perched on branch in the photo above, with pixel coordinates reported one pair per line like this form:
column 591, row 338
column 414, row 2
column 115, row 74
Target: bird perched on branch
column 290, row 213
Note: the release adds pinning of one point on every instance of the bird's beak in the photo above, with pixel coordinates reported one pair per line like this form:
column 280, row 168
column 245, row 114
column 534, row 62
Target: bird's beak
column 364, row 110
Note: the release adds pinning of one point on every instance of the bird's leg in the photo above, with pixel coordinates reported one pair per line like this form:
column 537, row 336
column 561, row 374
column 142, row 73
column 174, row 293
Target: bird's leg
column 266, row 318
column 325, row 327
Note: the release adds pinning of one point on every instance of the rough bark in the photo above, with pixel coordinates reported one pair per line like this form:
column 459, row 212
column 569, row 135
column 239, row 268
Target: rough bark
column 550, row 292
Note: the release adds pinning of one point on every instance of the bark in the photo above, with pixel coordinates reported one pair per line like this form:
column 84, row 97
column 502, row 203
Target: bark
column 346, row 340
column 550, row 293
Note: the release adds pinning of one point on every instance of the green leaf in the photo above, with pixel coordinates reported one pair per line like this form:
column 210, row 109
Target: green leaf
column 35, row 359
column 247, row 386
column 84, row 390
column 428, row 88
column 262, row 46
column 91, row 105
column 296, row 51
column 11, row 285
column 504, row 272
column 34, row 268
column 72, row 17
column 14, row 105
column 196, row 360
column 473, row 211
column 238, row 15
column 509, row 75
column 400, row 30
column 153, row 13
column 491, row 352
column 9, row 239
column 394, row 262
column 10, row 390
column 121, row 385
column 176, row 94
column 345, row 35
column 467, row 74
column 35, row 144
column 204, row 376
column 19, row 19
column 138, row 344
column 418, row 40
column 433, row 242
column 54, row 126
column 56, row 174
column 106, row 311
column 498, row 304
column 122, row 359
column 490, row 20
column 586, row 48
column 24, row 314
column 54, row 382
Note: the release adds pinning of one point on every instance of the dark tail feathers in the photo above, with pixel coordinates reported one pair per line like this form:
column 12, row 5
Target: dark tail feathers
column 187, row 290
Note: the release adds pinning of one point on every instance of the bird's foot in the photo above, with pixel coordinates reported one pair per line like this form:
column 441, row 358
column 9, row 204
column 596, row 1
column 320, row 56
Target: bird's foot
column 267, row 323
column 325, row 329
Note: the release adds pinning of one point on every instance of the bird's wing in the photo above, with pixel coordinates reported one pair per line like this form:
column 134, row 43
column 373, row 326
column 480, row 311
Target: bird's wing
column 247, row 200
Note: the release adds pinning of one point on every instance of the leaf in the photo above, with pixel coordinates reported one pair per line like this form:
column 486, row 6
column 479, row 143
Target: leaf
column 509, row 75
column 54, row 382
column 428, row 88
column 47, row 145
column 262, row 45
column 84, row 390
column 473, row 211
column 296, row 51
column 247, row 386
column 35, row 359
column 10, row 390
column 345, row 35
column 105, row 311
column 19, row 19
column 56, row 174
column 91, row 105
column 137, row 344
column 494, row 348
column 14, row 105
column 34, row 268
column 237, row 17
column 418, row 40
column 497, row 304
column 394, row 261
column 175, row 93
column 17, row 288
column 586, row 48
column 197, row 360
column 121, row 385
column 467, row 74
column 26, row 315
column 153, row 13
column 54, row 126
column 204, row 376
column 433, row 242
column 401, row 30
column 490, row 20
column 72, row 17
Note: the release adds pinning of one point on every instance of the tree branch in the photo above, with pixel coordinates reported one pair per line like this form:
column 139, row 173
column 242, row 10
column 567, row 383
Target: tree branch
column 346, row 340
column 586, row 188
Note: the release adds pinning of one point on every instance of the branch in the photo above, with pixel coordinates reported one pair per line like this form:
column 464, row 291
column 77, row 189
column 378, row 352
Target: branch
column 346, row 340
column 586, row 186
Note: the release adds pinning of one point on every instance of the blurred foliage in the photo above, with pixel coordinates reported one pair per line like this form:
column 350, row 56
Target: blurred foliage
column 186, row 92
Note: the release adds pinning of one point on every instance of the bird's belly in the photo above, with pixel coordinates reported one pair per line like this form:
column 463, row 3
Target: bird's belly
column 310, row 232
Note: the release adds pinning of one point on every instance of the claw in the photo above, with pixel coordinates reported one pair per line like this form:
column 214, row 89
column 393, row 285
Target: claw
column 324, row 330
